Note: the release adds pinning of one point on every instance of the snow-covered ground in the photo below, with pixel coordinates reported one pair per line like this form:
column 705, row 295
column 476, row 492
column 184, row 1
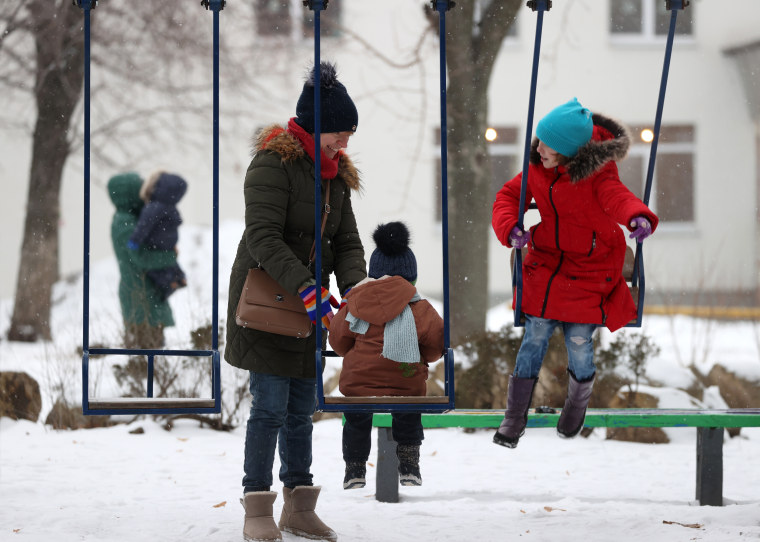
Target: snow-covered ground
column 114, row 485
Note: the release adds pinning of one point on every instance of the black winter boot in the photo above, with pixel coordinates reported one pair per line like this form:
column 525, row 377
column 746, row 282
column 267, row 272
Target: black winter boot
column 574, row 412
column 409, row 464
column 519, row 396
column 356, row 474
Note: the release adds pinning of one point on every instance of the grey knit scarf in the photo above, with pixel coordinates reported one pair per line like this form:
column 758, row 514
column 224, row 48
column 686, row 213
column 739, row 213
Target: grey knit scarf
column 400, row 336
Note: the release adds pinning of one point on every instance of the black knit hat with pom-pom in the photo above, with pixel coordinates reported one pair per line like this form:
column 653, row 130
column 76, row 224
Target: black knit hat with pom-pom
column 392, row 255
column 338, row 112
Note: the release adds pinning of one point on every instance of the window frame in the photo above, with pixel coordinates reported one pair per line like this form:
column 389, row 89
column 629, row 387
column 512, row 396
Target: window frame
column 648, row 34
column 297, row 29
column 642, row 150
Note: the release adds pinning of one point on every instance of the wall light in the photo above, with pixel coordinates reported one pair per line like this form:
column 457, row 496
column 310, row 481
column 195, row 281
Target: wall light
column 491, row 134
column 647, row 135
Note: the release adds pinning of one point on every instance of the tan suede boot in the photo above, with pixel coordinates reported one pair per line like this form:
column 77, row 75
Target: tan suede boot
column 259, row 522
column 298, row 516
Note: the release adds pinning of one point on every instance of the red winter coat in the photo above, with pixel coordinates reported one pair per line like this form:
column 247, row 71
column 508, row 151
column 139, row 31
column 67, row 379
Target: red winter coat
column 365, row 371
column 573, row 269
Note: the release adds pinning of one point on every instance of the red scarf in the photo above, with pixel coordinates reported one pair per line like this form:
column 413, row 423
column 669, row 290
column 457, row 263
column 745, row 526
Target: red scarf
column 329, row 166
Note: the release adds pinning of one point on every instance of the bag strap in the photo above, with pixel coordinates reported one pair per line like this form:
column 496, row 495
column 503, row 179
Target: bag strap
column 325, row 212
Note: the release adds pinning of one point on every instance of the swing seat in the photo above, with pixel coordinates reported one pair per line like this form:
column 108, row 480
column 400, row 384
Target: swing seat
column 150, row 404
column 388, row 400
column 391, row 403
column 143, row 403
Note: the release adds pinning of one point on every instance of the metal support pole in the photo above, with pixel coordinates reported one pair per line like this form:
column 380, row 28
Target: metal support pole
column 710, row 466
column 638, row 263
column 442, row 6
column 386, row 481
column 216, row 6
column 540, row 6
column 151, row 359
column 317, row 6
column 87, row 6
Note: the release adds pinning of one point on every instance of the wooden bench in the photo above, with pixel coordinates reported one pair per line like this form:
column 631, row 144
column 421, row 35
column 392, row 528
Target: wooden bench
column 710, row 426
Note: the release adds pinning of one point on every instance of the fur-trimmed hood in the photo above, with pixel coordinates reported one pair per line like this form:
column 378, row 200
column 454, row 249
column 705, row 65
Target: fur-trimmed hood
column 610, row 141
column 276, row 138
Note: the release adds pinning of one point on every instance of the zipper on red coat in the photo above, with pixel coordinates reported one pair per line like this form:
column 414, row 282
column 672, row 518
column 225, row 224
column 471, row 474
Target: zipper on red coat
column 556, row 240
column 549, row 284
column 593, row 244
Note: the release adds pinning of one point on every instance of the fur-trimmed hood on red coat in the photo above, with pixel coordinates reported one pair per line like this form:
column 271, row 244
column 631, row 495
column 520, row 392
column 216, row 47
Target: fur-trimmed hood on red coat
column 610, row 141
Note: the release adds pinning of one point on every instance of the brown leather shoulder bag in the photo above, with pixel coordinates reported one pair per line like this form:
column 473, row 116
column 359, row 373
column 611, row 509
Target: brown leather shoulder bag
column 267, row 306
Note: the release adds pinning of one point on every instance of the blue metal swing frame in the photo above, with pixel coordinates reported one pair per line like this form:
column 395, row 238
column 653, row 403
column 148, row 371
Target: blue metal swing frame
column 638, row 278
column 385, row 404
column 150, row 404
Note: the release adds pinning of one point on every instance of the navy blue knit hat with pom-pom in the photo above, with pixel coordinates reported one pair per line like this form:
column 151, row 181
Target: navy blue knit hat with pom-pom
column 392, row 255
column 338, row 112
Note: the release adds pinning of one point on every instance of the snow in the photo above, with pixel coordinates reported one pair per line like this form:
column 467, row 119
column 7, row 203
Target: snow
column 118, row 485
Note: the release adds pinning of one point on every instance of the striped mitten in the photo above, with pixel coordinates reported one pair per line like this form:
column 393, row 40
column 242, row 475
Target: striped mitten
column 309, row 297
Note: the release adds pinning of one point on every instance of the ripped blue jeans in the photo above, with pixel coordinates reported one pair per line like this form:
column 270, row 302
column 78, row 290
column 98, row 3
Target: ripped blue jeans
column 578, row 341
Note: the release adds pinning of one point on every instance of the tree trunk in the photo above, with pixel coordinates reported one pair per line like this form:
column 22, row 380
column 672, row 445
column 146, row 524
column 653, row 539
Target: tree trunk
column 471, row 49
column 59, row 56
column 469, row 207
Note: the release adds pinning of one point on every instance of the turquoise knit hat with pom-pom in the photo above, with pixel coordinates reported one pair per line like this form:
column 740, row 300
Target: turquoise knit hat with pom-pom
column 566, row 128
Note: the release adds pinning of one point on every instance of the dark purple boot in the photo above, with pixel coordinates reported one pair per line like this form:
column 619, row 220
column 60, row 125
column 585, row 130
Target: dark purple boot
column 512, row 427
column 574, row 412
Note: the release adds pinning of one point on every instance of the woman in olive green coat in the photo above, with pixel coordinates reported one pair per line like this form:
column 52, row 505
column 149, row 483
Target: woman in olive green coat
column 279, row 233
column 144, row 310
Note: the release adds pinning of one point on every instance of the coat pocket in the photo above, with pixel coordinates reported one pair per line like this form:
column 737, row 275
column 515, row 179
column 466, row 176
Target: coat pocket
column 577, row 239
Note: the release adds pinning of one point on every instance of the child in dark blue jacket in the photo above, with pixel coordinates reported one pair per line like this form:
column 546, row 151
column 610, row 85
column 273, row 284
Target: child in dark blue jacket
column 158, row 226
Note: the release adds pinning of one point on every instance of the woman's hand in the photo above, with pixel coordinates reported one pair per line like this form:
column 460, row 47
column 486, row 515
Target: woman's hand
column 309, row 297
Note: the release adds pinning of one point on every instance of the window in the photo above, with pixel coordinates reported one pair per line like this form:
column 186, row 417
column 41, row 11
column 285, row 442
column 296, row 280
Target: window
column 672, row 193
column 329, row 20
column 643, row 20
column 278, row 17
column 505, row 156
column 273, row 17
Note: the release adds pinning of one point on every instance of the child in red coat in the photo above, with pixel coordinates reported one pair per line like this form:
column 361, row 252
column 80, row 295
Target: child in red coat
column 387, row 336
column 572, row 273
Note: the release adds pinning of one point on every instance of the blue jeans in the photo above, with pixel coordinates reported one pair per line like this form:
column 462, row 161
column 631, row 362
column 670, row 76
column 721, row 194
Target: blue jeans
column 281, row 411
column 578, row 341
column 406, row 428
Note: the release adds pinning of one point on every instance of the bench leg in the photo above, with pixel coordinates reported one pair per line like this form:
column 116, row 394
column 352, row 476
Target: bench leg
column 386, row 483
column 710, row 466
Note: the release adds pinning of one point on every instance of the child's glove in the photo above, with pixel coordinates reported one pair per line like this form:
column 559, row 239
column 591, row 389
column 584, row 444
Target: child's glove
column 131, row 245
column 642, row 229
column 309, row 297
column 519, row 238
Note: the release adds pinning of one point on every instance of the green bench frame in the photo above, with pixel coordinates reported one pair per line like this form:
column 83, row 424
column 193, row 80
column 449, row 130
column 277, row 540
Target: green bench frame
column 710, row 425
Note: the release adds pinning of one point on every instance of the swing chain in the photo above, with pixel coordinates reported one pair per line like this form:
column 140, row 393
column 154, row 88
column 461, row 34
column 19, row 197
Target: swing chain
column 312, row 3
column 208, row 3
column 449, row 5
column 92, row 4
column 543, row 5
column 676, row 4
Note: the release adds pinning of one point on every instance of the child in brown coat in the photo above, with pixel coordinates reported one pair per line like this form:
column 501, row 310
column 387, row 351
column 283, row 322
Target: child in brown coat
column 387, row 336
